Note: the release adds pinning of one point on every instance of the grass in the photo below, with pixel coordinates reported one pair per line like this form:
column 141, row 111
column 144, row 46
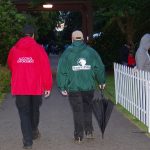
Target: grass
column 110, row 87
column 110, row 93
column 1, row 97
column 4, row 82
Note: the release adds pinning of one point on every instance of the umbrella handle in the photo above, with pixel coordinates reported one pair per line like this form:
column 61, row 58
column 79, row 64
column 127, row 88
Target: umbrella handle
column 102, row 92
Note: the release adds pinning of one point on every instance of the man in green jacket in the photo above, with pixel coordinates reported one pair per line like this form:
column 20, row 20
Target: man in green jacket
column 80, row 71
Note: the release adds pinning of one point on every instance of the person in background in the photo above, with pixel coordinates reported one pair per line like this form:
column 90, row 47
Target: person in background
column 80, row 71
column 31, row 76
column 131, row 60
column 142, row 56
column 124, row 52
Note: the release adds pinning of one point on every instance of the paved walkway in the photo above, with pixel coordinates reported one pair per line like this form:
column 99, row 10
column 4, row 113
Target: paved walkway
column 56, row 127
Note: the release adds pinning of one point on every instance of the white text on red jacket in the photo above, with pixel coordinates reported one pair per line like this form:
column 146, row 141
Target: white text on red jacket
column 25, row 60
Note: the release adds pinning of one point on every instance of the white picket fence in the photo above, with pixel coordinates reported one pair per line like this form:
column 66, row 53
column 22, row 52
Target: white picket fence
column 132, row 89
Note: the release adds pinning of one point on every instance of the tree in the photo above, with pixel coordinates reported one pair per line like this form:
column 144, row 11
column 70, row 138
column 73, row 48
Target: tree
column 44, row 22
column 11, row 23
column 127, row 14
column 73, row 21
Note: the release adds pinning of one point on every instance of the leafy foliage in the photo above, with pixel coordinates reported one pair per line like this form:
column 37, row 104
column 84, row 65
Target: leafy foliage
column 44, row 22
column 10, row 26
column 73, row 21
column 108, row 44
column 4, row 80
column 127, row 14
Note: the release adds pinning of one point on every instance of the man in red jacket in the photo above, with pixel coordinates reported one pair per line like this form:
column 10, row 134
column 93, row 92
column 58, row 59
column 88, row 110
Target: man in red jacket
column 31, row 77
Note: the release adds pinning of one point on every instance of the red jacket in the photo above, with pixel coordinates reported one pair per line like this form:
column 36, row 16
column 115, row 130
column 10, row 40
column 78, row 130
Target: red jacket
column 30, row 68
column 131, row 60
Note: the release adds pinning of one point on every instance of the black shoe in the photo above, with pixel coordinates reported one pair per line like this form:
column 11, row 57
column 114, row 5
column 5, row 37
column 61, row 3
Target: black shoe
column 89, row 135
column 27, row 146
column 36, row 135
column 78, row 140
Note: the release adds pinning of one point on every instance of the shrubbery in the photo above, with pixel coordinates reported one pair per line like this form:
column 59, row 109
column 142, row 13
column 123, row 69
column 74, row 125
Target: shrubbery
column 108, row 44
column 4, row 81
column 11, row 23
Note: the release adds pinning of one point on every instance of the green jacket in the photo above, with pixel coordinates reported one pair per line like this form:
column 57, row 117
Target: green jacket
column 80, row 68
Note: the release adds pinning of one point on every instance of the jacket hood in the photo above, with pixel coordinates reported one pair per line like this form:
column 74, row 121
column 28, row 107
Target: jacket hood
column 145, row 42
column 78, row 46
column 25, row 43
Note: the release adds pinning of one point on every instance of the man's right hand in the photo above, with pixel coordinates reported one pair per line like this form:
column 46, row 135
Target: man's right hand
column 47, row 93
column 64, row 93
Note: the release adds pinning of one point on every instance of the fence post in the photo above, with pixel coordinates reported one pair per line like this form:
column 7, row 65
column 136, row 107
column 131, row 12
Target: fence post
column 116, row 89
column 148, row 103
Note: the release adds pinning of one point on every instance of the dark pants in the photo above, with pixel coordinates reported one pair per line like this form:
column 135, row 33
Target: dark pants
column 81, row 103
column 28, row 108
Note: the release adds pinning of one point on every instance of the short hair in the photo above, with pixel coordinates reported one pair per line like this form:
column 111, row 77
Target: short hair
column 28, row 30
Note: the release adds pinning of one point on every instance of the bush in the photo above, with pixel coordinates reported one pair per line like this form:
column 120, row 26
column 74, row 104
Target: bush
column 11, row 23
column 108, row 44
column 4, row 80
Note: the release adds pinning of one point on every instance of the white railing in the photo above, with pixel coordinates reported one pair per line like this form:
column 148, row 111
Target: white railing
column 132, row 89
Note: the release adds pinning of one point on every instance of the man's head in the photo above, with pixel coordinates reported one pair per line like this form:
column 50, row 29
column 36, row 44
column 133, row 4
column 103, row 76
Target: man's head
column 77, row 35
column 28, row 30
column 145, row 42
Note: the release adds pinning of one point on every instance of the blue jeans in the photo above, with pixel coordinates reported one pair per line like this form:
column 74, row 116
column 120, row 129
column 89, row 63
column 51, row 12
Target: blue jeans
column 81, row 103
column 28, row 108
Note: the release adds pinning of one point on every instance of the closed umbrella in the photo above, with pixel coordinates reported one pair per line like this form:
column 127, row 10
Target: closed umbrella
column 102, row 109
